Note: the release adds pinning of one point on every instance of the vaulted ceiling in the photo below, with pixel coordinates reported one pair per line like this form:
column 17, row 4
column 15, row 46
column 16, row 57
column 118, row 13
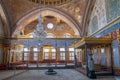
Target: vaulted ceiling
column 70, row 12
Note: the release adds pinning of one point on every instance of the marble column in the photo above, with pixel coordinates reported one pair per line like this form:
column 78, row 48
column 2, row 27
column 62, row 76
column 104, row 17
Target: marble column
column 1, row 55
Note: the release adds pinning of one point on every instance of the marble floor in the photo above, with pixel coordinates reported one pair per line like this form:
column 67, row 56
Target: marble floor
column 62, row 74
column 9, row 73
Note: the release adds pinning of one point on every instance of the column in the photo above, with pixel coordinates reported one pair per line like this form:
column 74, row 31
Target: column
column 31, row 54
column 90, row 64
column 87, row 70
column 65, row 53
column 65, row 56
column 28, row 54
column 38, row 54
column 41, row 54
column 75, row 58
column 58, row 54
column 9, row 58
column 14, row 56
column 111, row 59
column 107, row 52
column 99, row 55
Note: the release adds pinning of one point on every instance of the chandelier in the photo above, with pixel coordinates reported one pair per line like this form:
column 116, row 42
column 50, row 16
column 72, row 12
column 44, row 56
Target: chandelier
column 39, row 33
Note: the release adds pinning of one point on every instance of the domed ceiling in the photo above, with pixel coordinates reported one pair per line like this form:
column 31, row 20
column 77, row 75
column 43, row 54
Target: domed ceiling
column 16, row 10
column 50, row 2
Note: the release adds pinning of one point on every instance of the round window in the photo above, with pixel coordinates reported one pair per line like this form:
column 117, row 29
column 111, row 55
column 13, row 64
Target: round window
column 50, row 25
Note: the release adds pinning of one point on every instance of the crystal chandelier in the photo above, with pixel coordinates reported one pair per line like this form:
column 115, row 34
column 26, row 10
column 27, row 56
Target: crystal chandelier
column 39, row 32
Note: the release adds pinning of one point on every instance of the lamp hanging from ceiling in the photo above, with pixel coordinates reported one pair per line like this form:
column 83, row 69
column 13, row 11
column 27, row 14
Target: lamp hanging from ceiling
column 39, row 33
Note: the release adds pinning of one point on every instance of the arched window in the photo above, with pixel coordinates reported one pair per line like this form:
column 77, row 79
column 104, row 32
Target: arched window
column 50, row 25
column 62, row 53
column 26, row 54
column 67, row 35
column 35, row 58
column 71, row 53
column 50, row 35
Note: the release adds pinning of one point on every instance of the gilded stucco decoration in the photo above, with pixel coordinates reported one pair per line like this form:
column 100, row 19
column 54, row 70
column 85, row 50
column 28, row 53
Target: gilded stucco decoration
column 59, row 29
column 50, row 2
column 76, row 10
column 17, row 9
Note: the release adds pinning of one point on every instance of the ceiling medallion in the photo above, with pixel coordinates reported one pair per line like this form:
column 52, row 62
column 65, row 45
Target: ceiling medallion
column 50, row 2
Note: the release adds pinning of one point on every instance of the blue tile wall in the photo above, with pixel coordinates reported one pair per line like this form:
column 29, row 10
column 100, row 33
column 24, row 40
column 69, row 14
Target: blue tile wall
column 112, row 28
column 94, row 24
column 112, row 9
column 116, row 53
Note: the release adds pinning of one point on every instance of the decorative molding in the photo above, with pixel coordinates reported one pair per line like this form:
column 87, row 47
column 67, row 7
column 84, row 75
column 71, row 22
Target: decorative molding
column 86, row 15
column 56, row 42
column 50, row 2
column 93, row 41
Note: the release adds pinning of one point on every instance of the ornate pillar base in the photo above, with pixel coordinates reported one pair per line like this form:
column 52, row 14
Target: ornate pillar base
column 92, row 75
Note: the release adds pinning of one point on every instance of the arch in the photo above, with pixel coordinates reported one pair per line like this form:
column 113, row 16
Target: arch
column 5, row 21
column 50, row 35
column 33, row 15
